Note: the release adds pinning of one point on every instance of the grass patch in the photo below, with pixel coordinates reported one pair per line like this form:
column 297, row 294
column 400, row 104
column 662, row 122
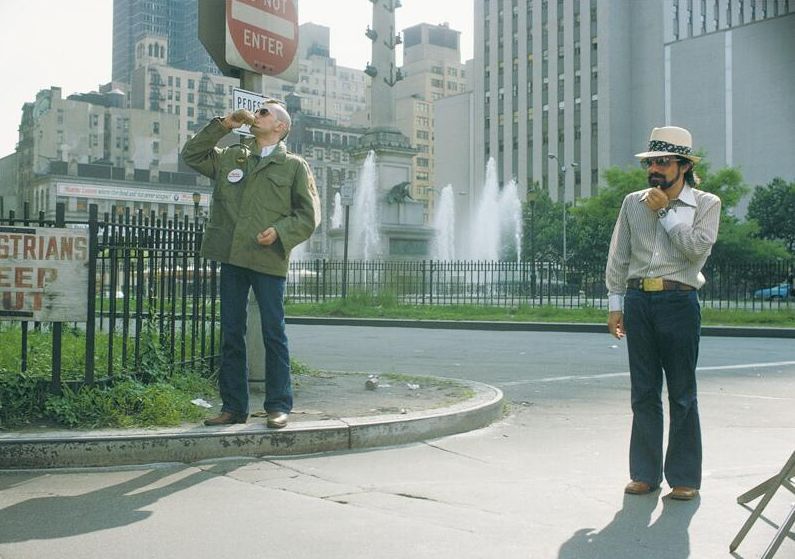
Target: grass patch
column 363, row 307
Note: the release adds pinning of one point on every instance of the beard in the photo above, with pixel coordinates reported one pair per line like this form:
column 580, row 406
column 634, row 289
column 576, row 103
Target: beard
column 656, row 179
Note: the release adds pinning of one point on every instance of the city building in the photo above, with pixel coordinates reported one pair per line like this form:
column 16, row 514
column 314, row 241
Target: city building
column 567, row 88
column 431, row 70
column 8, row 184
column 325, row 145
column 327, row 90
column 176, row 20
column 84, row 152
column 192, row 97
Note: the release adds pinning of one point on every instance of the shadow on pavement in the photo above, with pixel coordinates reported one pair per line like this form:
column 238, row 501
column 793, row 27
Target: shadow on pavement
column 58, row 516
column 631, row 535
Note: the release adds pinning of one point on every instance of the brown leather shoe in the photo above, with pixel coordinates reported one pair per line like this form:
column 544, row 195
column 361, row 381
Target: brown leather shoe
column 226, row 418
column 277, row 419
column 638, row 488
column 683, row 493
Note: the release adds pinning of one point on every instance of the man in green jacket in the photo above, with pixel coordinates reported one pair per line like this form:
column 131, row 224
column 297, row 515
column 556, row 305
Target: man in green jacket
column 264, row 204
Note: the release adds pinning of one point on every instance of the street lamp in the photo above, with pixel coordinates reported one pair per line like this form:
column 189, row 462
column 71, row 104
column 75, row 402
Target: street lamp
column 562, row 181
column 197, row 198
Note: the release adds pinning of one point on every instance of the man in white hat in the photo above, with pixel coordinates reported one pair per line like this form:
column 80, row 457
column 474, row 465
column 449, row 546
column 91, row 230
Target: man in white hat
column 660, row 242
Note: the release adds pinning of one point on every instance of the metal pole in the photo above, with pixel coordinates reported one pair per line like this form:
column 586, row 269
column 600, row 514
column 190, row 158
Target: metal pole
column 533, row 249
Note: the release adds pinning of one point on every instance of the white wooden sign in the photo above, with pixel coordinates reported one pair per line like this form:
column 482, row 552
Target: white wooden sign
column 43, row 274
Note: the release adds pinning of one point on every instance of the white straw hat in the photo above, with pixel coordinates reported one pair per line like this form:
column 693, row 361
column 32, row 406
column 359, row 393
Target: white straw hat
column 670, row 140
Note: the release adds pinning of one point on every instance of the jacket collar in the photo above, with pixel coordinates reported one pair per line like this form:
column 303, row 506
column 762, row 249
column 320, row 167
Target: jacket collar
column 278, row 155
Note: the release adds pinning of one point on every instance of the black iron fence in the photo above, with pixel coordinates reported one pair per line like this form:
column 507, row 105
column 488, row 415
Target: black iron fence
column 756, row 287
column 151, row 298
column 150, row 292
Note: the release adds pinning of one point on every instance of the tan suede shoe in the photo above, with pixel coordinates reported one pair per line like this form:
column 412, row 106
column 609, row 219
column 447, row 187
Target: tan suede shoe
column 638, row 488
column 226, row 418
column 683, row 493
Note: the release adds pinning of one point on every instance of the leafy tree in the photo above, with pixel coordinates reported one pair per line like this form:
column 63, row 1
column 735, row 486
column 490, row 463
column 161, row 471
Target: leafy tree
column 773, row 208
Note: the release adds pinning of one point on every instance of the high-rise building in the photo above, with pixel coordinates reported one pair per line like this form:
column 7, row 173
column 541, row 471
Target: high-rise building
column 177, row 20
column 432, row 70
column 566, row 88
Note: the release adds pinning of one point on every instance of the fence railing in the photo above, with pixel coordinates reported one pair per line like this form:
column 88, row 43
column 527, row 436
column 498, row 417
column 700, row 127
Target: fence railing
column 150, row 292
column 754, row 287
column 151, row 297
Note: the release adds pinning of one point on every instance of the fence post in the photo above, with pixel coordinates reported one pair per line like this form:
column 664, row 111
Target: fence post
column 93, row 232
column 57, row 327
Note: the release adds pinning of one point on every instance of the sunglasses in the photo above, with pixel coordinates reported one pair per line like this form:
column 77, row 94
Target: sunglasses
column 263, row 112
column 663, row 162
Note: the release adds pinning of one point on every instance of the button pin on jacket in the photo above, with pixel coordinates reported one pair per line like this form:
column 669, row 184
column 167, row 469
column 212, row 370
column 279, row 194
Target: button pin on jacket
column 235, row 175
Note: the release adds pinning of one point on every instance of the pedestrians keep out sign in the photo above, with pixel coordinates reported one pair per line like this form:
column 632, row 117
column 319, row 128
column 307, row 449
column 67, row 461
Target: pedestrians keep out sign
column 262, row 37
column 43, row 274
column 248, row 100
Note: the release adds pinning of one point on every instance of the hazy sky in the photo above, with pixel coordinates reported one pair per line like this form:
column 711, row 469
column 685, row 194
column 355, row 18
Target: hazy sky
column 68, row 43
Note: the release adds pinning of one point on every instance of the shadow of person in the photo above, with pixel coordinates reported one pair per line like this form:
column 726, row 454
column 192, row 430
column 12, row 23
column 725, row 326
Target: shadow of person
column 631, row 534
column 58, row 516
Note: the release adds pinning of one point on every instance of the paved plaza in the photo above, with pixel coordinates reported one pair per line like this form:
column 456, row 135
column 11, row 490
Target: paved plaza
column 545, row 481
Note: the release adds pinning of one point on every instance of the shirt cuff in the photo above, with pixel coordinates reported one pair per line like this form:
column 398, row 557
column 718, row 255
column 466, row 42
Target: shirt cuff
column 671, row 220
column 615, row 302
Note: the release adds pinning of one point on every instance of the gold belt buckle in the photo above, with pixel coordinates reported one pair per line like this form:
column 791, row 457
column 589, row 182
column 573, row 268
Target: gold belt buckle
column 651, row 284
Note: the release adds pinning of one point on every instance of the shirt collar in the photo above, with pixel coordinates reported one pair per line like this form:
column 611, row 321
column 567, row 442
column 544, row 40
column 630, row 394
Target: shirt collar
column 686, row 196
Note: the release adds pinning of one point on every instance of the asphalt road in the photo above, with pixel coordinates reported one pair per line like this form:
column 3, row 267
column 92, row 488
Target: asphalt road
column 525, row 365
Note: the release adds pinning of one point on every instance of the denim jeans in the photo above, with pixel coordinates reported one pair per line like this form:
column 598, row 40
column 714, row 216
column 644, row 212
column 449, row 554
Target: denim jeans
column 233, row 379
column 663, row 330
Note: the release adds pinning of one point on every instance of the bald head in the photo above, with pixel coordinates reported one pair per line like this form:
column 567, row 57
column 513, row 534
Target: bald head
column 281, row 114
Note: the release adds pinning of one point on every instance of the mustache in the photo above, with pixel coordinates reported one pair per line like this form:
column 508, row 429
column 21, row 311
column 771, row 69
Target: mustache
column 656, row 176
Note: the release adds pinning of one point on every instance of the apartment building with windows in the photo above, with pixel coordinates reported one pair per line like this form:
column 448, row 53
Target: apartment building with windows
column 327, row 90
column 91, row 148
column 432, row 69
column 192, row 97
column 586, row 80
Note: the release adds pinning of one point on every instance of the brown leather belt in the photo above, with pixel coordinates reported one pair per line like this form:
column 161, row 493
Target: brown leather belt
column 657, row 284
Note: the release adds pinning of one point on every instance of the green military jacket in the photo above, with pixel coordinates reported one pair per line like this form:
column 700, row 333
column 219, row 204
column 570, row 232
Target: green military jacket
column 251, row 194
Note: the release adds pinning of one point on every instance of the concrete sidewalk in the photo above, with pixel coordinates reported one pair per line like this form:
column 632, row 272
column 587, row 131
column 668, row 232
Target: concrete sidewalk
column 334, row 411
column 544, row 482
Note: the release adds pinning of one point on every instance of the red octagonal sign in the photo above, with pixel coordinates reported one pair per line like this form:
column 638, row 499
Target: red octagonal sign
column 262, row 35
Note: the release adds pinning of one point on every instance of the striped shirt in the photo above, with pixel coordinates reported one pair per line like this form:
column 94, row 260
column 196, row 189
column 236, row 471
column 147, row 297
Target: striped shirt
column 674, row 247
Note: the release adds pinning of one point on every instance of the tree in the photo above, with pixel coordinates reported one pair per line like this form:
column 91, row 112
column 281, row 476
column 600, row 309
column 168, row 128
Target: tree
column 591, row 223
column 773, row 208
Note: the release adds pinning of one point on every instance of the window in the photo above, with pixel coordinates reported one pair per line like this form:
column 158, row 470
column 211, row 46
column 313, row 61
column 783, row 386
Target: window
column 155, row 128
column 191, row 84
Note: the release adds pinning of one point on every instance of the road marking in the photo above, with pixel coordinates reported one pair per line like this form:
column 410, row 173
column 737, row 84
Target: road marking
column 626, row 373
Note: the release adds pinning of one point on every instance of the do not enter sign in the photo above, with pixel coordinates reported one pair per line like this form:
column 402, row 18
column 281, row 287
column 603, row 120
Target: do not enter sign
column 262, row 36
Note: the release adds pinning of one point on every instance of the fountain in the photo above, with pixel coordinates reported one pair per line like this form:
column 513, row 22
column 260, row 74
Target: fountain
column 497, row 224
column 336, row 212
column 365, row 239
column 444, row 225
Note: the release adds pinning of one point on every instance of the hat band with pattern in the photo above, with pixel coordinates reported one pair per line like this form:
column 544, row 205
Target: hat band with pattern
column 659, row 145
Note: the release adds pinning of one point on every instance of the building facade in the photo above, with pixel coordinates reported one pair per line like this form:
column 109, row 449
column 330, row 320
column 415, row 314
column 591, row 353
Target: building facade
column 192, row 97
column 432, row 70
column 176, row 20
column 566, row 88
column 80, row 152
column 325, row 145
column 327, row 90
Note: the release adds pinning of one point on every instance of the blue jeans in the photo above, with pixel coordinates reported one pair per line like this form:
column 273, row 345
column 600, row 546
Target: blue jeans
column 663, row 330
column 233, row 378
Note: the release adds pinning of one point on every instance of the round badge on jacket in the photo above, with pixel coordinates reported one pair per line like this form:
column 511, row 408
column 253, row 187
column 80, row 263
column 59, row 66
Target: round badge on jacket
column 235, row 175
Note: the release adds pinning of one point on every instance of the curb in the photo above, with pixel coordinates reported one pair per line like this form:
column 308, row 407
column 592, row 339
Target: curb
column 191, row 444
column 584, row 327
